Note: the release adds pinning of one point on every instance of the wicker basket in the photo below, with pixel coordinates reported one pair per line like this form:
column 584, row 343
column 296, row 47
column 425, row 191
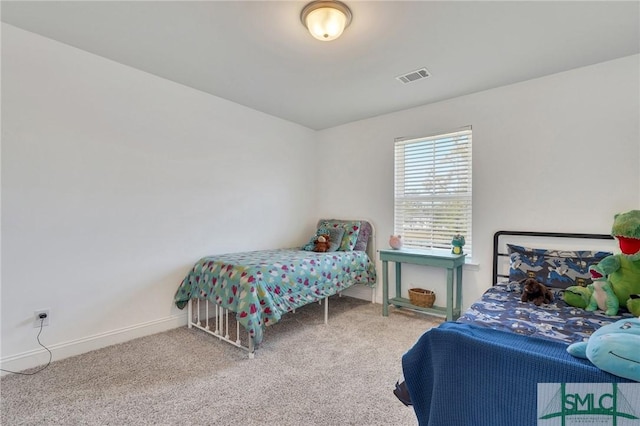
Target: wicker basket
column 421, row 297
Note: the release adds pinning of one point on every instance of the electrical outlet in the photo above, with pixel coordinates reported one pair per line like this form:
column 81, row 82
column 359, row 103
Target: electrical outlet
column 37, row 319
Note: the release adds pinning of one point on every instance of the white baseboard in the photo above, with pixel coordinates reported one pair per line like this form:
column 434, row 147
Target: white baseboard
column 63, row 350
column 361, row 292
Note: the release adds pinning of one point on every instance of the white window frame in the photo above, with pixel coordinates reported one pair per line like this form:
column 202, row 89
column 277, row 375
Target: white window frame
column 433, row 190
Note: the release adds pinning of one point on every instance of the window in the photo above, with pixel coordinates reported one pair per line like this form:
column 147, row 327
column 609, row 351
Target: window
column 433, row 190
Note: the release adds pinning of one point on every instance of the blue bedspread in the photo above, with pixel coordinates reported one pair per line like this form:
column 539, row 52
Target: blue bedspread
column 501, row 309
column 463, row 374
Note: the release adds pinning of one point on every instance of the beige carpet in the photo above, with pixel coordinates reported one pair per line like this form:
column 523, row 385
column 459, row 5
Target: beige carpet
column 305, row 373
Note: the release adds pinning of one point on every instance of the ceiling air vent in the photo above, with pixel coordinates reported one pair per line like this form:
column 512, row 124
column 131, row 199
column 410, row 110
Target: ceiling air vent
column 414, row 75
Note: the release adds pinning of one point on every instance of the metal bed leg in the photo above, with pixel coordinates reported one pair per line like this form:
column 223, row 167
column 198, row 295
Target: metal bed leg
column 206, row 315
column 226, row 336
column 251, row 347
column 326, row 310
column 189, row 314
column 217, row 330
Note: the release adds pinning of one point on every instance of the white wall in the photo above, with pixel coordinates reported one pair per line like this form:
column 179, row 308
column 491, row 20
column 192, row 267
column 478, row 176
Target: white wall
column 114, row 182
column 558, row 153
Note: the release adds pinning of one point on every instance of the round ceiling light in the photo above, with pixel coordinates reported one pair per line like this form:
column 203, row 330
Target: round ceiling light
column 326, row 20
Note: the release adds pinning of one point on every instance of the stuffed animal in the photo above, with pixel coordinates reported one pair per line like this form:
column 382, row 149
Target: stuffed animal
column 633, row 304
column 622, row 271
column 577, row 296
column 395, row 242
column 535, row 292
column 613, row 348
column 457, row 243
column 322, row 243
column 603, row 298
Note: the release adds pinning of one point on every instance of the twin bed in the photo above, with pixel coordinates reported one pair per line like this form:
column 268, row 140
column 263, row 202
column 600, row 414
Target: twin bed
column 485, row 368
column 254, row 289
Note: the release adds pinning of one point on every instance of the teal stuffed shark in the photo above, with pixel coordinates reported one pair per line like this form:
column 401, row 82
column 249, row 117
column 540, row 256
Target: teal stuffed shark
column 614, row 348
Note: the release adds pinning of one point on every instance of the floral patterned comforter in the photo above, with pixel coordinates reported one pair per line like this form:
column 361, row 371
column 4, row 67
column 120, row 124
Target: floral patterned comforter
column 261, row 286
column 500, row 308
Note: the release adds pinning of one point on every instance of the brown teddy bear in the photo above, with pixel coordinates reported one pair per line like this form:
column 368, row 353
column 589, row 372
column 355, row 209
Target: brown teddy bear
column 533, row 291
column 322, row 243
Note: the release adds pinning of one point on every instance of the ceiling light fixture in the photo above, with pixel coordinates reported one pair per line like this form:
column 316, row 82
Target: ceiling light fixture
column 326, row 20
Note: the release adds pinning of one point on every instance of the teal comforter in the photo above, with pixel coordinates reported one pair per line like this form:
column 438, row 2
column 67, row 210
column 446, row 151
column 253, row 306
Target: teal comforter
column 261, row 286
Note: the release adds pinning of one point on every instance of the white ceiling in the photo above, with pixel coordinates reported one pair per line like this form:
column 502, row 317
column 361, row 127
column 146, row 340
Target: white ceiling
column 259, row 54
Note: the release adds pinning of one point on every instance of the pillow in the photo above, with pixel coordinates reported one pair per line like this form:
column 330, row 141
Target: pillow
column 363, row 236
column 351, row 232
column 335, row 238
column 366, row 230
column 551, row 267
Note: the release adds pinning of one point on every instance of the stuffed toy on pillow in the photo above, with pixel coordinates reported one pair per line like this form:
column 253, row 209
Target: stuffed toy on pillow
column 614, row 348
column 322, row 243
column 533, row 291
column 331, row 236
column 622, row 271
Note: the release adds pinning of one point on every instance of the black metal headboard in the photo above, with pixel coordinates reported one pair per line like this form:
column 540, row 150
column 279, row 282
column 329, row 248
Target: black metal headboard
column 497, row 254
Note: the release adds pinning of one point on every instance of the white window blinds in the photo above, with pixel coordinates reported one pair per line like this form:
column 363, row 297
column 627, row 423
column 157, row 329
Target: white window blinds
column 433, row 190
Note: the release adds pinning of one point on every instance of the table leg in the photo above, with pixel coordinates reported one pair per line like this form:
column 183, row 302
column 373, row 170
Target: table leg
column 385, row 288
column 398, row 279
column 449, row 294
column 459, row 289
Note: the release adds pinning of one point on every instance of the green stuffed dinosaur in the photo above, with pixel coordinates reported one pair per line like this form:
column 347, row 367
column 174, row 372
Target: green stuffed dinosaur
column 597, row 295
column 577, row 296
column 603, row 297
column 622, row 271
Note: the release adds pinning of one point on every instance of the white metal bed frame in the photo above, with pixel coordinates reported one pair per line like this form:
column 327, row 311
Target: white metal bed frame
column 220, row 321
column 219, row 317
